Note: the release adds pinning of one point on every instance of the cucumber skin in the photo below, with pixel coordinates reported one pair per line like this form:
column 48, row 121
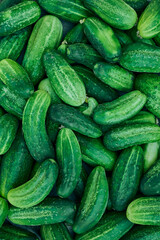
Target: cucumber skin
column 4, row 210
column 79, row 189
column 126, row 177
column 69, row 160
column 38, row 42
column 138, row 5
column 127, row 136
column 113, row 225
column 123, row 37
column 15, row 166
column 76, row 35
column 74, row 119
column 7, row 3
column 151, row 152
column 22, row 14
column 94, row 201
column 33, row 124
column 1, row 112
column 56, row 209
column 137, row 57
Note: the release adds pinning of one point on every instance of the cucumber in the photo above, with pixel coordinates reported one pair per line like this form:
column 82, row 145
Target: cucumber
column 116, row 13
column 4, row 210
column 138, row 5
column 115, row 76
column 50, row 211
column 148, row 24
column 79, row 189
column 18, row 17
column 111, row 113
column 95, row 88
column 95, row 154
column 62, row 50
column 84, row 54
column 137, row 57
column 126, row 177
column 52, row 129
column 33, row 124
column 149, row 84
column 15, row 166
column 7, row 3
column 94, row 201
column 64, row 80
column 157, row 39
column 72, row 118
column 113, row 225
column 144, row 211
column 1, row 112
column 151, row 151
column 127, row 136
column 70, row 10
column 46, row 34
column 123, row 37
column 88, row 107
column 76, row 35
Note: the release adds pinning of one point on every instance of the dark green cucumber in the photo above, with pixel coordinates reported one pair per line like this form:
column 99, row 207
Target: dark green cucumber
column 18, row 17
column 115, row 76
column 151, row 151
column 46, row 34
column 95, row 154
column 123, row 37
column 79, row 189
column 1, row 111
column 126, row 177
column 52, row 129
column 120, row 109
column 3, row 210
column 137, row 57
column 76, row 35
column 83, row 54
column 7, row 3
column 62, row 50
column 50, row 211
column 34, row 128
column 138, row 5
column 95, row 88
column 113, row 225
column 15, row 166
column 72, row 118
column 129, row 135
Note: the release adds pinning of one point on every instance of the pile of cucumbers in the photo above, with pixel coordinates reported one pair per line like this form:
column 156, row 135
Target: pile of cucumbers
column 79, row 120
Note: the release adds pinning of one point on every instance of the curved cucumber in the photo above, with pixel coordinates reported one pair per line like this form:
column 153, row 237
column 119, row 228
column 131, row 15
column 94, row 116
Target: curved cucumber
column 76, row 35
column 151, row 151
column 34, row 128
column 3, row 210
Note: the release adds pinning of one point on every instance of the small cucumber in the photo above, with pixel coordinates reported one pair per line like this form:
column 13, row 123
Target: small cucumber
column 4, row 210
column 79, row 189
column 18, row 17
column 123, row 37
column 76, row 35
column 115, row 76
column 126, row 177
column 151, row 151
column 34, row 128
column 88, row 107
column 138, row 5
column 64, row 80
column 120, row 109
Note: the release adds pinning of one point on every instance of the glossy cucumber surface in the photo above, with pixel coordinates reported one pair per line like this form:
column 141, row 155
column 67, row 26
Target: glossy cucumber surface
column 151, row 153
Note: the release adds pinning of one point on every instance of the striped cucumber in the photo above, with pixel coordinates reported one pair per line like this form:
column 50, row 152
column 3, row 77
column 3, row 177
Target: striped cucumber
column 76, row 35
column 46, row 34
column 123, row 37
column 151, row 151
column 138, row 5
column 3, row 210
column 64, row 80
column 34, row 128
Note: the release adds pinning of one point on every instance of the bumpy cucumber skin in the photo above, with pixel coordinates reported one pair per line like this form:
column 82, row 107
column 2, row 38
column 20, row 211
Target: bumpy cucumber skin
column 7, row 3
column 95, row 154
column 64, row 80
column 123, row 37
column 114, row 12
column 126, row 177
column 113, row 225
column 144, row 211
column 94, row 201
column 3, row 210
column 129, row 135
column 33, row 124
column 84, row 54
column 69, row 160
column 70, row 10
column 95, row 88
column 55, row 232
column 15, row 166
column 46, row 34
column 50, row 211
column 22, row 15
column 115, row 76
column 72, row 118
column 76, row 35
column 119, row 110
column 137, row 57
column 137, row 4
column 151, row 151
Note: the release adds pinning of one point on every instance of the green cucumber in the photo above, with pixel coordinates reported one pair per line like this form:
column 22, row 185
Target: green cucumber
column 15, row 166
column 115, row 76
column 76, row 35
column 95, row 154
column 4, row 210
column 138, row 5
column 144, row 211
column 79, row 189
column 7, row 3
column 95, row 88
column 62, row 50
column 157, row 39
column 72, row 118
column 116, row 13
column 113, row 225
column 129, row 135
column 1, row 112
column 18, row 17
column 88, row 107
column 52, row 129
column 137, row 57
column 50, row 211
column 123, row 37
column 46, row 34
column 64, row 80
column 151, row 151
column 94, row 201
column 126, row 177
column 34, row 128
column 111, row 113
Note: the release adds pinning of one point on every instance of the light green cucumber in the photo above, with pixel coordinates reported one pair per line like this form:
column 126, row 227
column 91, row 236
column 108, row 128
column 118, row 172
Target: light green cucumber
column 76, row 35
column 151, row 151
column 88, row 107
column 4, row 210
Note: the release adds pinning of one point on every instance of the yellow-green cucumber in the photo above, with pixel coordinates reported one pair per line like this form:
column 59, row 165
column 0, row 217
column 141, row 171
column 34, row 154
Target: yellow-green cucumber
column 89, row 106
column 151, row 152
column 3, row 210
